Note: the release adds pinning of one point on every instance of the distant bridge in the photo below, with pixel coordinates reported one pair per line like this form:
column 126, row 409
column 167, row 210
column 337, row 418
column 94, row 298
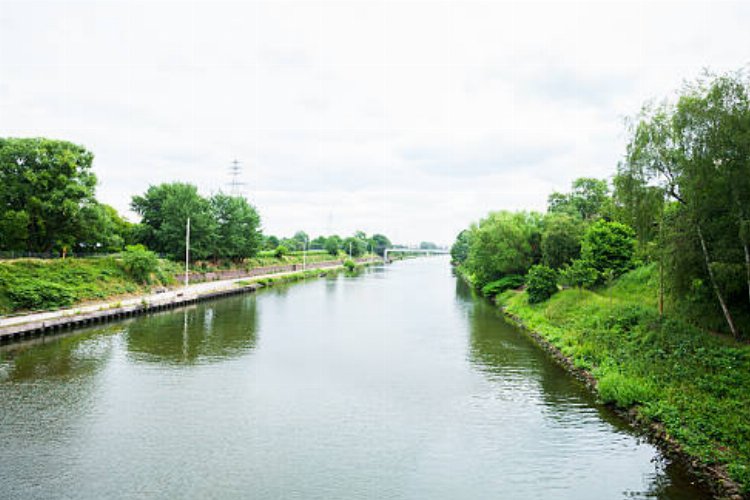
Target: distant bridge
column 433, row 251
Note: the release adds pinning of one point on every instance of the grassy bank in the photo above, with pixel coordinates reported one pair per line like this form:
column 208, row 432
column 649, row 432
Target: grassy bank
column 695, row 384
column 35, row 284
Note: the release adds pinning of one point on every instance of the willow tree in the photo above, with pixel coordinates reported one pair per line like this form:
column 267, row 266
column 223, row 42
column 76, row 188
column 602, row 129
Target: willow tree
column 696, row 153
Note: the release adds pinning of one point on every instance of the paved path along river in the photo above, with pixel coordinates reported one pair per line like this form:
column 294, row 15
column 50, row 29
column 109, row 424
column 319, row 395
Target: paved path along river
column 396, row 383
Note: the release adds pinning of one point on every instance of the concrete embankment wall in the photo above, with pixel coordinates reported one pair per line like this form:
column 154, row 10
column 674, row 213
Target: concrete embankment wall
column 55, row 325
column 230, row 274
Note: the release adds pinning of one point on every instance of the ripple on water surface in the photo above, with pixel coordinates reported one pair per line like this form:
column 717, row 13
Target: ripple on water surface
column 396, row 383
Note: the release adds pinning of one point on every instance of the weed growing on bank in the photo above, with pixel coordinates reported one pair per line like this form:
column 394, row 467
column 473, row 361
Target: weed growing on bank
column 34, row 284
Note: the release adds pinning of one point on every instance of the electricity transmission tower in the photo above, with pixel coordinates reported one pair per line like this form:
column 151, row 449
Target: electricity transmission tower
column 235, row 185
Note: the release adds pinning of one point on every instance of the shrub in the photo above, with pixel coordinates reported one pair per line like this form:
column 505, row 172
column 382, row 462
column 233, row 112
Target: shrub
column 541, row 283
column 579, row 274
column 350, row 265
column 140, row 263
column 505, row 283
column 40, row 294
column 609, row 246
column 280, row 251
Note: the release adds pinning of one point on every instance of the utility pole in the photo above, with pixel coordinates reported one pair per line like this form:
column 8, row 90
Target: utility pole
column 187, row 254
column 304, row 254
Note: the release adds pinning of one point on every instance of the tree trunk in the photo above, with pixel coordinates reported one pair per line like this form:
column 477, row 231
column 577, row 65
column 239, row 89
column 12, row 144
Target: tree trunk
column 719, row 296
column 747, row 268
column 661, row 286
column 661, row 263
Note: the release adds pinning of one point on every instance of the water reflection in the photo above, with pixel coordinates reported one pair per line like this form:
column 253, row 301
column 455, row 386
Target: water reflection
column 64, row 357
column 208, row 332
column 573, row 423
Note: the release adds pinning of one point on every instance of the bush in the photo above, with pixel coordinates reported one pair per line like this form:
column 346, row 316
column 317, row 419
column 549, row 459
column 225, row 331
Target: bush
column 580, row 274
column 609, row 246
column 280, row 251
column 40, row 294
column 541, row 283
column 350, row 265
column 505, row 283
column 140, row 263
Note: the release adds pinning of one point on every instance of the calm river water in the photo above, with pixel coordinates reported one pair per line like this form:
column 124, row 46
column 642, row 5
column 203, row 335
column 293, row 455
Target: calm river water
column 396, row 383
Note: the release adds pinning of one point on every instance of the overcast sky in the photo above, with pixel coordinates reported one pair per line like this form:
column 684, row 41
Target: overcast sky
column 407, row 118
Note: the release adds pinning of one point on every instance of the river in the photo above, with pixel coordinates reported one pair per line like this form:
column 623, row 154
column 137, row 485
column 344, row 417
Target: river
column 394, row 383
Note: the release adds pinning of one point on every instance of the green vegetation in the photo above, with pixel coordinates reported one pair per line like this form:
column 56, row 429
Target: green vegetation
column 48, row 209
column 505, row 283
column 47, row 200
column 221, row 227
column 357, row 245
column 541, row 283
column 661, row 267
column 697, row 385
column 140, row 264
column 33, row 284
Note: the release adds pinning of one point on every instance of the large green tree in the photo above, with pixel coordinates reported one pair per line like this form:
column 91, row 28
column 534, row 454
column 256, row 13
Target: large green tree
column 697, row 153
column 102, row 229
column 460, row 249
column 587, row 198
column 44, row 186
column 164, row 211
column 238, row 233
column 379, row 243
column 504, row 243
column 561, row 239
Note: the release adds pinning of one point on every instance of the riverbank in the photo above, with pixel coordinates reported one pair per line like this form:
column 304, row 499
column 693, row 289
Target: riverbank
column 30, row 285
column 41, row 323
column 688, row 389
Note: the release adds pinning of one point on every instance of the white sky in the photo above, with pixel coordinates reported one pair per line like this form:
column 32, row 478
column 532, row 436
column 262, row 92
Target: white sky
column 407, row 118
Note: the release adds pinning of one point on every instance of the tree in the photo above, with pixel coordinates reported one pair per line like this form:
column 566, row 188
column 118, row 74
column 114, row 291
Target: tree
column 302, row 239
column 380, row 243
column 354, row 246
column 460, row 249
column 333, row 245
column 318, row 243
column 696, row 152
column 503, row 243
column 102, row 229
column 587, row 198
column 270, row 242
column 237, row 227
column 609, row 246
column 427, row 245
column 561, row 239
column 44, row 185
column 164, row 210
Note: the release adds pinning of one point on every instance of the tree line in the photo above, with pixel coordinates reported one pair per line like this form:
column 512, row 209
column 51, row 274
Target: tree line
column 356, row 245
column 48, row 205
column 679, row 201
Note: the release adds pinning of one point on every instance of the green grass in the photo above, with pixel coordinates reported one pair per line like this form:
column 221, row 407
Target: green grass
column 695, row 383
column 34, row 284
